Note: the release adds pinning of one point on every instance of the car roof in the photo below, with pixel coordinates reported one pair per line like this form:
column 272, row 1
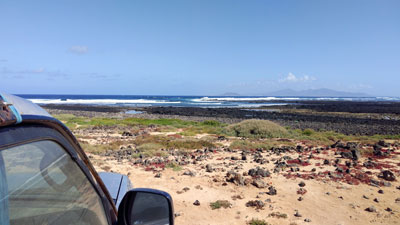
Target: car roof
column 23, row 106
column 20, row 108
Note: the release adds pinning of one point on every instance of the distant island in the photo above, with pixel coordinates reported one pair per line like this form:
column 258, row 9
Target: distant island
column 231, row 94
column 322, row 92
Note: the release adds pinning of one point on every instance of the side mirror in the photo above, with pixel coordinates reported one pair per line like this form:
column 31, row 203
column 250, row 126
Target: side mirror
column 143, row 206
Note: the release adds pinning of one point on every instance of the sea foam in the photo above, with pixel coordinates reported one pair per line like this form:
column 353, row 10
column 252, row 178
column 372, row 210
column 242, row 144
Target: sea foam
column 101, row 101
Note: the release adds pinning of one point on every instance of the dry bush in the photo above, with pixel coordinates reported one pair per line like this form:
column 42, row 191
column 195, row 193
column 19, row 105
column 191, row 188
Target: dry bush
column 257, row 129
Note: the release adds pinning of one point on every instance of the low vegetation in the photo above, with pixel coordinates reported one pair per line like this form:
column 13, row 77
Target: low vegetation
column 257, row 222
column 172, row 142
column 257, row 129
column 254, row 133
column 220, row 204
column 173, row 166
column 73, row 122
column 150, row 149
column 250, row 144
column 90, row 148
column 279, row 215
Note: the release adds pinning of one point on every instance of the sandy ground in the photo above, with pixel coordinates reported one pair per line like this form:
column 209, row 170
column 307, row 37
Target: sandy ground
column 326, row 201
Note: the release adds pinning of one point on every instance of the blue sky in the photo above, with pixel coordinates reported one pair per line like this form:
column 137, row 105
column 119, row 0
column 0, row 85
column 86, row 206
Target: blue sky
column 199, row 47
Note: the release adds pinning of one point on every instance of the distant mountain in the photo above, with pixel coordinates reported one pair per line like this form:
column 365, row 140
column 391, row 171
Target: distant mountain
column 322, row 92
column 230, row 94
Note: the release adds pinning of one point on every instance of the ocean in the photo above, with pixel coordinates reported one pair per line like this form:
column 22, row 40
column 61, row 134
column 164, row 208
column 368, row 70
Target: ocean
column 185, row 101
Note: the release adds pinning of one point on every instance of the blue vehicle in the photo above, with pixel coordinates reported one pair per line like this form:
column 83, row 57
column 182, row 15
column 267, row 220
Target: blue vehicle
column 46, row 178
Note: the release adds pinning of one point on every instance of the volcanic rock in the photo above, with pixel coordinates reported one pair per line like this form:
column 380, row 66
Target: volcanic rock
column 256, row 203
column 259, row 172
column 235, row 178
column 259, row 183
column 387, row 175
column 272, row 190
column 370, row 209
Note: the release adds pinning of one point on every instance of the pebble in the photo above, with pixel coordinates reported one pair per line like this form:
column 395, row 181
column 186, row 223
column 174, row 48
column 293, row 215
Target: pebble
column 370, row 209
column 196, row 203
column 307, row 220
column 209, row 168
column 189, row 173
column 301, row 191
column 297, row 214
column 302, row 184
column 272, row 190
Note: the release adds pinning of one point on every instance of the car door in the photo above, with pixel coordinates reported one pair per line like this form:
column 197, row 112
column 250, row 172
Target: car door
column 42, row 181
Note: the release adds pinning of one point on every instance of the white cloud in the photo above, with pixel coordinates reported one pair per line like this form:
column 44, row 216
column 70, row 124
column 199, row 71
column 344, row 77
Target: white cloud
column 40, row 70
column 25, row 73
column 79, row 49
column 293, row 79
column 358, row 87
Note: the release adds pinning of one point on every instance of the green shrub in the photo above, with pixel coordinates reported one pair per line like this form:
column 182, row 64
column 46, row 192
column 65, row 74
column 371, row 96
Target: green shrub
column 150, row 149
column 279, row 215
column 220, row 203
column 257, row 129
column 308, row 132
column 98, row 149
column 173, row 166
column 257, row 222
column 213, row 123
column 189, row 144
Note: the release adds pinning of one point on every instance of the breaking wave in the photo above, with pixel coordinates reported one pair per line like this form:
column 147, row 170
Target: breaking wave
column 101, row 101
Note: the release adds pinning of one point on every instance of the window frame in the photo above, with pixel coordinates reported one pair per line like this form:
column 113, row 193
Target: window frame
column 30, row 132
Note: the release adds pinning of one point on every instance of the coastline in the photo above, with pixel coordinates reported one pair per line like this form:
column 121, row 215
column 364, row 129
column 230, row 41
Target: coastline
column 365, row 118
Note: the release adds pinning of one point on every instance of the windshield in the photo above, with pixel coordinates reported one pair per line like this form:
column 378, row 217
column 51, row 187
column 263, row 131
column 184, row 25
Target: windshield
column 42, row 185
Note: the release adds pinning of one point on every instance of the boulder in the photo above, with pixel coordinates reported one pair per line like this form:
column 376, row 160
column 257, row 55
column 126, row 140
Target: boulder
column 339, row 144
column 256, row 203
column 259, row 183
column 259, row 172
column 235, row 178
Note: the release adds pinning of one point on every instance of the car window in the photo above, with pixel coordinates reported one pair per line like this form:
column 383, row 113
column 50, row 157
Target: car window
column 42, row 185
